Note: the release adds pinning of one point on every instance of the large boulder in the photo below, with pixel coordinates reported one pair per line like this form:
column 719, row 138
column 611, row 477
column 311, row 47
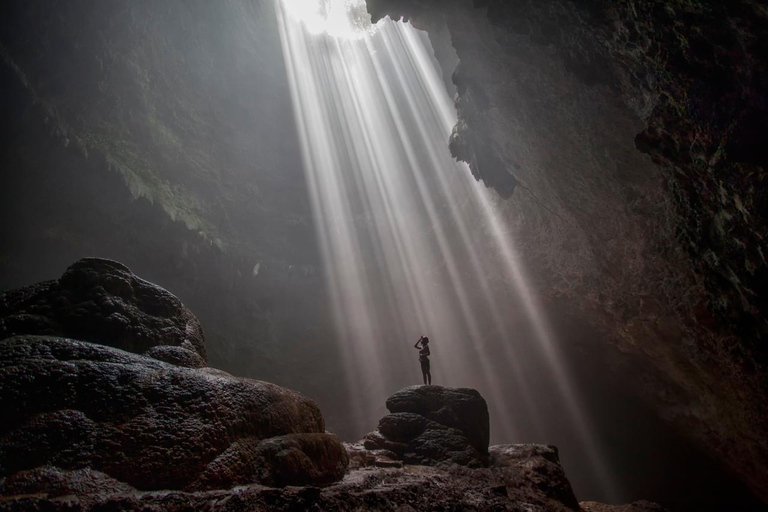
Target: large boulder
column 70, row 405
column 103, row 302
column 461, row 408
column 434, row 424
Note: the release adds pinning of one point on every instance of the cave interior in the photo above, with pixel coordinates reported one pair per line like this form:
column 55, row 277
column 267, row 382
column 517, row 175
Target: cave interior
column 568, row 197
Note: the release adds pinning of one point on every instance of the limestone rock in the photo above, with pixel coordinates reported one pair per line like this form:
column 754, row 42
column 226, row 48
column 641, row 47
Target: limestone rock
column 71, row 405
column 461, row 408
column 179, row 356
column 293, row 459
column 448, row 487
column 301, row 459
column 637, row 506
column 536, row 464
column 55, row 482
column 434, row 424
column 103, row 302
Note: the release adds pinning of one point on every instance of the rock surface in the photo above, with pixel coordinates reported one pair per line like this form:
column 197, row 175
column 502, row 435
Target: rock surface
column 179, row 356
column 518, row 483
column 71, row 406
column 461, row 408
column 637, row 506
column 102, row 301
column 538, row 465
column 434, row 424
column 91, row 427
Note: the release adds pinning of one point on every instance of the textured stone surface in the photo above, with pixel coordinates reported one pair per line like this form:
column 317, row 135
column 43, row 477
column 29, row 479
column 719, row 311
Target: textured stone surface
column 54, row 482
column 301, row 459
column 73, row 405
column 179, row 356
column 538, row 466
column 624, row 135
column 637, row 506
column 518, row 484
column 461, row 408
column 293, row 459
column 102, row 301
column 434, row 424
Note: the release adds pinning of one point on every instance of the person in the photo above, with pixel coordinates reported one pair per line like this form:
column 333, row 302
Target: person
column 423, row 346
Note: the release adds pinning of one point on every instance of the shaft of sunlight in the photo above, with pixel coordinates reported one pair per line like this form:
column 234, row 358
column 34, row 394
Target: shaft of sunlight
column 392, row 211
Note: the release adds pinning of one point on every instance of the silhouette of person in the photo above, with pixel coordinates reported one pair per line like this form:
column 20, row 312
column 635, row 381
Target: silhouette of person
column 424, row 359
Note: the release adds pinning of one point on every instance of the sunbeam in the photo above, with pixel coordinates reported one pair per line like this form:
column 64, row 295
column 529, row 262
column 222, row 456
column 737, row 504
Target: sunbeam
column 393, row 212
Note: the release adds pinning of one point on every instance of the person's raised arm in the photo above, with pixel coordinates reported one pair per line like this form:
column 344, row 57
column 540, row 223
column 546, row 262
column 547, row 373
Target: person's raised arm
column 417, row 344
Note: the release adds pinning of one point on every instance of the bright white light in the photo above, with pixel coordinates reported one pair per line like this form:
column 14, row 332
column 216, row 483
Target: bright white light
column 338, row 18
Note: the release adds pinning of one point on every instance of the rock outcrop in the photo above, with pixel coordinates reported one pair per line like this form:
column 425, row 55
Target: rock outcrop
column 102, row 301
column 98, row 435
column 71, row 405
column 429, row 425
column 538, row 466
column 89, row 419
column 506, row 477
column 410, row 489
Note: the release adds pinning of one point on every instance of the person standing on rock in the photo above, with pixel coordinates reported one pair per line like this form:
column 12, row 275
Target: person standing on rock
column 423, row 346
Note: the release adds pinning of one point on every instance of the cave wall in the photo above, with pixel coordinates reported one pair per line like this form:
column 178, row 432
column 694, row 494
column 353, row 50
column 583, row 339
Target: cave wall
column 626, row 137
column 161, row 136
column 156, row 136
column 186, row 101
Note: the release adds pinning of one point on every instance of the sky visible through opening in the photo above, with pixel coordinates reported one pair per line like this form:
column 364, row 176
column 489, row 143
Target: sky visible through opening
column 411, row 243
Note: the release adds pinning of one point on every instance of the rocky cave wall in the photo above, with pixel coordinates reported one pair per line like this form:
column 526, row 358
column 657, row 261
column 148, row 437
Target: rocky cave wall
column 628, row 138
column 133, row 137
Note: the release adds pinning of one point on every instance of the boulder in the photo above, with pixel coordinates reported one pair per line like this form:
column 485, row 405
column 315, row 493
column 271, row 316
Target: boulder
column 538, row 466
column 70, row 405
column 434, row 424
column 301, row 459
column 103, row 302
column 292, row 459
column 461, row 408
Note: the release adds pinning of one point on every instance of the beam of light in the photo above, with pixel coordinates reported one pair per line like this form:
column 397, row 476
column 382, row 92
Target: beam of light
column 505, row 247
column 339, row 18
column 393, row 214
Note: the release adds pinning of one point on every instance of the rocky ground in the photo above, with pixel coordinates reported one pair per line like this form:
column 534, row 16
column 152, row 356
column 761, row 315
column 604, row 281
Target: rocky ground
column 88, row 425
column 521, row 486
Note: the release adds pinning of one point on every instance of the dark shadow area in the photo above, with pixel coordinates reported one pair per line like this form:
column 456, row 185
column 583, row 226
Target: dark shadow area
column 648, row 457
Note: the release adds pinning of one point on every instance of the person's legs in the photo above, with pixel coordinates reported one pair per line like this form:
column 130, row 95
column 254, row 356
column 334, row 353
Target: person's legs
column 424, row 374
column 429, row 377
